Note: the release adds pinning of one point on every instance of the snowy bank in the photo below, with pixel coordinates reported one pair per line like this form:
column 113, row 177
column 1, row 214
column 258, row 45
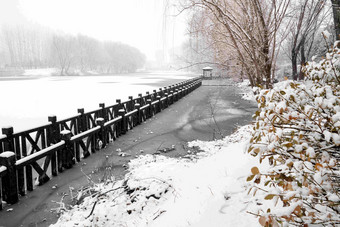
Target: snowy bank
column 207, row 189
column 41, row 72
column 247, row 93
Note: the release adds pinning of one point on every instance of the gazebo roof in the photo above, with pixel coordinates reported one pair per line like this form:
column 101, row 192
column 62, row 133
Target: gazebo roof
column 207, row 68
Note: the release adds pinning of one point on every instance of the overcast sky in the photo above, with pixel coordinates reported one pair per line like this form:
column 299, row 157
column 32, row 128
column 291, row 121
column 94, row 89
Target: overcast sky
column 138, row 23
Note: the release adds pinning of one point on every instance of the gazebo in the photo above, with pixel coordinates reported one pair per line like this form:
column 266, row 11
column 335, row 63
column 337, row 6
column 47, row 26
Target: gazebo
column 207, row 72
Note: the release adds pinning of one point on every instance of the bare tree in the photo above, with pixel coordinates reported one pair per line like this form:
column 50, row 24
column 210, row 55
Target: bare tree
column 305, row 20
column 336, row 16
column 33, row 47
column 9, row 43
column 64, row 52
column 248, row 30
column 198, row 49
column 27, row 47
column 87, row 52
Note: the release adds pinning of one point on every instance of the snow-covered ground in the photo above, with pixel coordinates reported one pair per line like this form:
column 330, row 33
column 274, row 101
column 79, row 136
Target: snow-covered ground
column 26, row 101
column 205, row 188
column 247, row 93
column 41, row 72
column 208, row 187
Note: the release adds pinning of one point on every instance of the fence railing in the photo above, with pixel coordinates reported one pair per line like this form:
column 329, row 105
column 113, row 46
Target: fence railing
column 58, row 145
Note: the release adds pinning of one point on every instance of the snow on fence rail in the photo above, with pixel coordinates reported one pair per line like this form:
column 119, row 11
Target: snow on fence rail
column 58, row 145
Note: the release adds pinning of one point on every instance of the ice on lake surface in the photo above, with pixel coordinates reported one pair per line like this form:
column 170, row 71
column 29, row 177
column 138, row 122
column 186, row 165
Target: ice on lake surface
column 26, row 102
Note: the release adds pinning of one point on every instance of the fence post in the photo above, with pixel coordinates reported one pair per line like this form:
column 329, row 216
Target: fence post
column 82, row 127
column 105, row 117
column 9, row 181
column 161, row 94
column 140, row 99
column 176, row 95
column 82, row 121
column 102, row 134
column 154, row 95
column 53, row 138
column 1, row 196
column 9, row 144
column 171, row 99
column 103, row 112
column 166, row 103
column 56, row 136
column 149, row 101
column 139, row 114
column 68, row 159
column 131, row 105
column 159, row 103
column 120, row 105
column 121, row 113
column 118, row 124
column 180, row 92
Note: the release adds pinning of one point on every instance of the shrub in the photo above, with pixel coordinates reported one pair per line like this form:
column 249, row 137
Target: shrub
column 297, row 129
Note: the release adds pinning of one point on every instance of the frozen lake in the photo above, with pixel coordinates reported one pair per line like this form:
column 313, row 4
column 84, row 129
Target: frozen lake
column 27, row 101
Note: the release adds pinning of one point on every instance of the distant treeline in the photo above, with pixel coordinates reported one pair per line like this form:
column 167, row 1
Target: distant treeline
column 34, row 47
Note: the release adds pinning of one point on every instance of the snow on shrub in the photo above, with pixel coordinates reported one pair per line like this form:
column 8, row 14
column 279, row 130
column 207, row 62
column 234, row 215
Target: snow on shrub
column 129, row 202
column 297, row 130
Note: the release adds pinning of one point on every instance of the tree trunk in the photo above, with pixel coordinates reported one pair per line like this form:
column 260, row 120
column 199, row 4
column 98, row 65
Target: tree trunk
column 294, row 65
column 336, row 16
column 266, row 53
column 303, row 59
column 268, row 68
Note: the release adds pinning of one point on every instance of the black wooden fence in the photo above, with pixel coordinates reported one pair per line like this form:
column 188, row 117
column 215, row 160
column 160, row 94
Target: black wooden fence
column 60, row 144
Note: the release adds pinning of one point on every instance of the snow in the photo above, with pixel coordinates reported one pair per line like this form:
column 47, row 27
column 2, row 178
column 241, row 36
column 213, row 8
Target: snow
column 303, row 155
column 3, row 169
column 208, row 189
column 219, row 183
column 41, row 72
column 326, row 34
column 248, row 93
column 7, row 154
column 65, row 131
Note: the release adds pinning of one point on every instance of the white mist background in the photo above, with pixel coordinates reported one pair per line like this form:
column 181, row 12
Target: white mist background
column 149, row 25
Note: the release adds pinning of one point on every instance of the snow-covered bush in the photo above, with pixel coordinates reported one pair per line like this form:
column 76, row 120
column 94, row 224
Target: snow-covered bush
column 297, row 130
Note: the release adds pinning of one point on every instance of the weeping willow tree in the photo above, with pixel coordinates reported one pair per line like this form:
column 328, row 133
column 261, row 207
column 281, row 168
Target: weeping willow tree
column 165, row 11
